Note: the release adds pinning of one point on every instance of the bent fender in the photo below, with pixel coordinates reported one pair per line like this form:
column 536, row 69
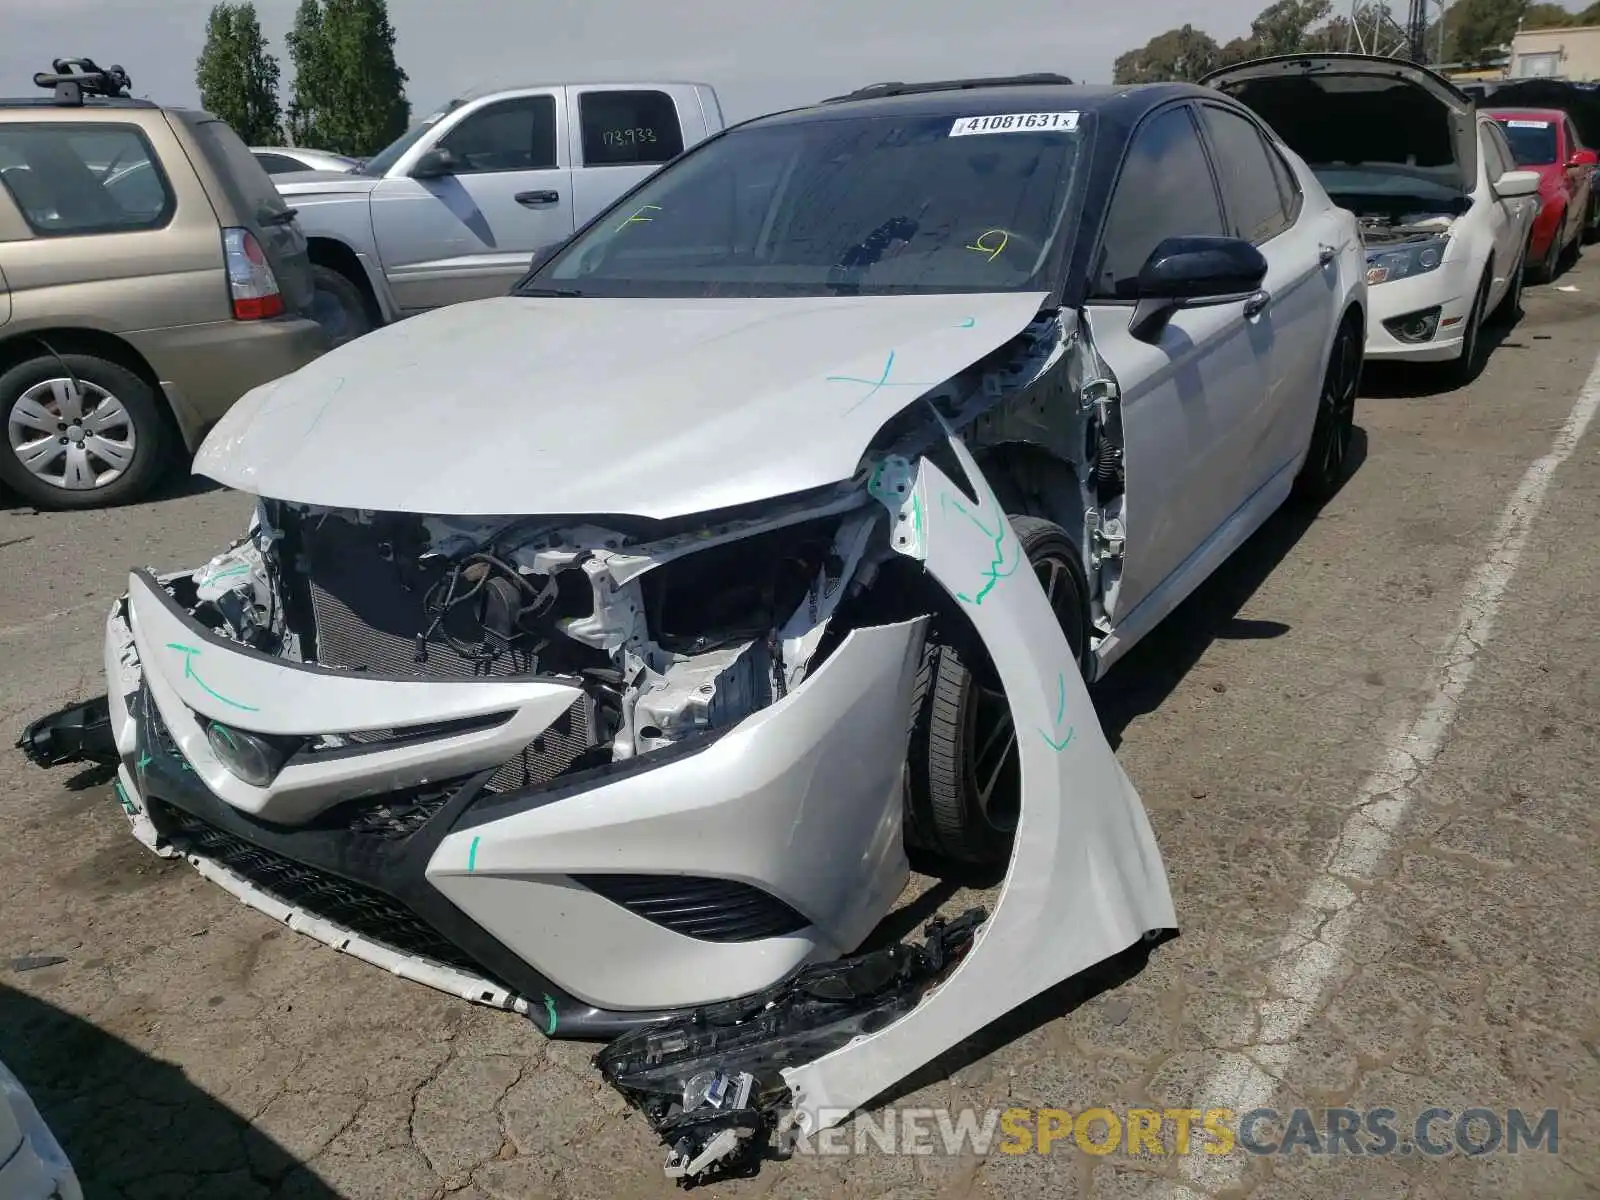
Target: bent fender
column 1085, row 881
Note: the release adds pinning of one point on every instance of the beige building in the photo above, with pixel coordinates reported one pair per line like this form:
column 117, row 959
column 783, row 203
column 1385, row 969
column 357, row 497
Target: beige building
column 1570, row 53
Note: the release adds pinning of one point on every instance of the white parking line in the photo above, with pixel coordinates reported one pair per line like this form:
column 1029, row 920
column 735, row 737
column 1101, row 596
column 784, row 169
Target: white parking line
column 1314, row 953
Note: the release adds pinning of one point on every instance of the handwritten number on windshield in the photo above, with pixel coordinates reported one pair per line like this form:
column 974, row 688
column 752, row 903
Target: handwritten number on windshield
column 991, row 242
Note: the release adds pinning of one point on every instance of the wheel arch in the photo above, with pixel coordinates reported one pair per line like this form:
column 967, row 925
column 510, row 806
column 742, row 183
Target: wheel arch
column 22, row 345
column 1031, row 480
column 336, row 255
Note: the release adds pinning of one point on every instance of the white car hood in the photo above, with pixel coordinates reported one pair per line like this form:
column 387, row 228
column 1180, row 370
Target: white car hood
column 652, row 408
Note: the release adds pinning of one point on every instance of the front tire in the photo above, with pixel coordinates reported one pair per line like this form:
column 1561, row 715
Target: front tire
column 965, row 775
column 1328, row 457
column 1465, row 368
column 338, row 305
column 81, row 432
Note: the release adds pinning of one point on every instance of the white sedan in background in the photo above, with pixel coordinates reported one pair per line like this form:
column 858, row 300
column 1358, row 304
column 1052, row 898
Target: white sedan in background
column 1445, row 213
column 286, row 160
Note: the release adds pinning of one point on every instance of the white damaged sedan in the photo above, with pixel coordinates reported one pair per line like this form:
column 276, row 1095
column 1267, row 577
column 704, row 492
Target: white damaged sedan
column 596, row 651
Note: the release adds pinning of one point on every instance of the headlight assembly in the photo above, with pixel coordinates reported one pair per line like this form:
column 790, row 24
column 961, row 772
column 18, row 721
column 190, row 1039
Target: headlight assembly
column 1386, row 264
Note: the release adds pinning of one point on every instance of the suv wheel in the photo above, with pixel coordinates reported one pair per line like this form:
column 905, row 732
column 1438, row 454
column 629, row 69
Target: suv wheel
column 81, row 432
column 965, row 775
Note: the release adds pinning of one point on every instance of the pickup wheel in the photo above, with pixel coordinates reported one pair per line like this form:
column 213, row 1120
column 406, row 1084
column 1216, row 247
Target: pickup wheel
column 964, row 772
column 338, row 305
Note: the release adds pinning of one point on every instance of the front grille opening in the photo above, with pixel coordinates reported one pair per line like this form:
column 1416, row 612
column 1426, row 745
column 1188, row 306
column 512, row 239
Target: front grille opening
column 355, row 907
column 712, row 910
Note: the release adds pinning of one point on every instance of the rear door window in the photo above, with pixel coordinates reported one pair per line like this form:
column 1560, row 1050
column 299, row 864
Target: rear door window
column 74, row 180
column 510, row 135
column 1250, row 185
column 628, row 128
column 1165, row 190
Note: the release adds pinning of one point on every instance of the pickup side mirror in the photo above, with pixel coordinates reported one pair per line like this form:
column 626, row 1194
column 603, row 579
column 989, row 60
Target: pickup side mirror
column 1517, row 183
column 1584, row 158
column 545, row 253
column 435, row 164
column 1193, row 272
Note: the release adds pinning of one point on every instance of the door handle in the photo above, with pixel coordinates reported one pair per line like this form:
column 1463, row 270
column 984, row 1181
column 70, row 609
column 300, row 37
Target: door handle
column 1257, row 303
column 536, row 199
column 1326, row 254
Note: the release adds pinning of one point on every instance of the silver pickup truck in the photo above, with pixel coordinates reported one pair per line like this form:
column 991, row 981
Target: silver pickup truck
column 455, row 208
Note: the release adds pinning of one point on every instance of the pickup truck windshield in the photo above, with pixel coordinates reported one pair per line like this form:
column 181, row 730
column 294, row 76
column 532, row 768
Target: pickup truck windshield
column 380, row 163
column 835, row 206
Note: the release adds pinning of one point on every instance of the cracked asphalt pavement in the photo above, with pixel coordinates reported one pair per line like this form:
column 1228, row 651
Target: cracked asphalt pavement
column 187, row 1046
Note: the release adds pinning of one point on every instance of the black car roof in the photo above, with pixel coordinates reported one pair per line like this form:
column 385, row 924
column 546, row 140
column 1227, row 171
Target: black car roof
column 1123, row 105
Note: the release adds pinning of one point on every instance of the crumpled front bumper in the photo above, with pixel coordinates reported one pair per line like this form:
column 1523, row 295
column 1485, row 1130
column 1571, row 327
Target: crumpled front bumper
column 528, row 899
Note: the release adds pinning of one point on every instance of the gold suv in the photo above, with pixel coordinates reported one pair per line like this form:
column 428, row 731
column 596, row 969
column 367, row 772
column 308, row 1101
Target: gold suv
column 150, row 275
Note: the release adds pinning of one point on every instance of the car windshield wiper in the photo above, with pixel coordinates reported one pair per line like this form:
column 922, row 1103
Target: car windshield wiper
column 563, row 293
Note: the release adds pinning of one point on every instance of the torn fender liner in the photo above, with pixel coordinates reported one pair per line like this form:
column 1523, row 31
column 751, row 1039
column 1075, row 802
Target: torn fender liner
column 711, row 1085
column 1085, row 880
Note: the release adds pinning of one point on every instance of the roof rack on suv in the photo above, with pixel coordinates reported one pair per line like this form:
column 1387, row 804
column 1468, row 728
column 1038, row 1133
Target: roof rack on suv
column 873, row 90
column 75, row 78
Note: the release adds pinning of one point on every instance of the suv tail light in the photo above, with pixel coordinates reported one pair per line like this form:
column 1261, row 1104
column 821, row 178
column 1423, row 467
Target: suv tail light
column 250, row 277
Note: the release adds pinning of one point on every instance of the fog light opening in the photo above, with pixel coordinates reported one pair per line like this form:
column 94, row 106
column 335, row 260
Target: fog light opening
column 1414, row 327
column 250, row 757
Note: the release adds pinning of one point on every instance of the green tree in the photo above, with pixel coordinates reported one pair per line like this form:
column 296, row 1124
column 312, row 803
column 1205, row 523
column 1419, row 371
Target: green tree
column 237, row 78
column 1546, row 16
column 1282, row 28
column 349, row 92
column 1589, row 16
column 310, row 76
column 1474, row 28
column 1184, row 54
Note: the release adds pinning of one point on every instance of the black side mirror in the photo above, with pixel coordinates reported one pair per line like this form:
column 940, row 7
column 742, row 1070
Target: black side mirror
column 1193, row 272
column 435, row 164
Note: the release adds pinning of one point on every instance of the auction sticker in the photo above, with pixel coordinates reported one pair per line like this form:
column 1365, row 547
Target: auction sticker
column 1064, row 122
column 1529, row 124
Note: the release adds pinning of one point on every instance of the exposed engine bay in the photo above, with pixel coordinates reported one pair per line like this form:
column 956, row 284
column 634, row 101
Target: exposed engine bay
column 1388, row 227
column 670, row 629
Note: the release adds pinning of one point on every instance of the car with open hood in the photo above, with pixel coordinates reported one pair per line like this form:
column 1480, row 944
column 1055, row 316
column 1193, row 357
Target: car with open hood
column 1545, row 140
column 597, row 651
column 1445, row 212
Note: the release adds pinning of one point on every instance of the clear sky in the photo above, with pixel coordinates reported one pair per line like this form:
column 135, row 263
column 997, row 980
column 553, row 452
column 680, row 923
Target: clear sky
column 760, row 55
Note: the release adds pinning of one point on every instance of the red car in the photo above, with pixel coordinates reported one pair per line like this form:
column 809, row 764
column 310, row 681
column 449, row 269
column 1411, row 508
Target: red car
column 1545, row 140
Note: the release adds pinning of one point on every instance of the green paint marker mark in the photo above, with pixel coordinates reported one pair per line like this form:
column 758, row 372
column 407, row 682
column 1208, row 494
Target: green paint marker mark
column 916, row 515
column 122, row 797
column 472, row 855
column 1059, row 744
column 236, row 569
column 190, row 653
column 144, row 760
column 996, row 570
column 550, row 1016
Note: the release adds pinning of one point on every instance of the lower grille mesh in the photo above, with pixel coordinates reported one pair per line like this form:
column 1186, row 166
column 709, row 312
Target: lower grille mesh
column 712, row 910
column 357, row 908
